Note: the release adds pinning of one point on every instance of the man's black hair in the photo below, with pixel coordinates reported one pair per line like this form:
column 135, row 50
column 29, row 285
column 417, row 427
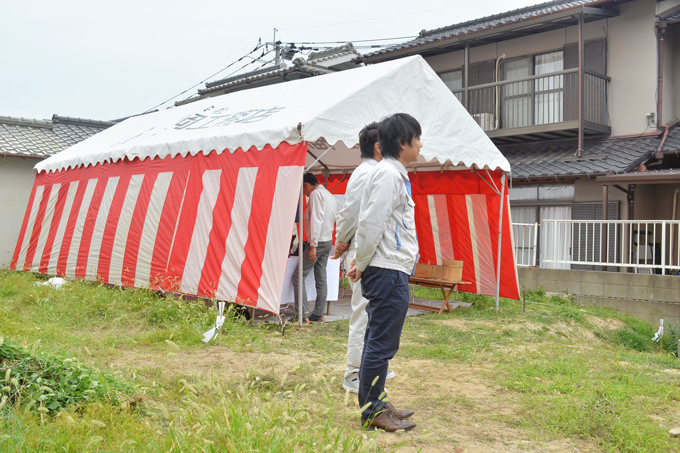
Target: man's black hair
column 368, row 137
column 310, row 178
column 395, row 131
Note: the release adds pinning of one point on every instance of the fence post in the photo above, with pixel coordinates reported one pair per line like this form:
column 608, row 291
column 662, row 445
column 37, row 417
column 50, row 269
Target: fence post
column 535, row 243
column 663, row 247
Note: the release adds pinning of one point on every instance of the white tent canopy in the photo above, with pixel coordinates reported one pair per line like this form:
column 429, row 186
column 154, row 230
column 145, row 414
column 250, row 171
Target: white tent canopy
column 329, row 109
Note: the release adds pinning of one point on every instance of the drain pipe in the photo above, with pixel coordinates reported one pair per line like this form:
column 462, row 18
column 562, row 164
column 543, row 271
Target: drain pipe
column 660, row 31
column 675, row 204
column 497, row 109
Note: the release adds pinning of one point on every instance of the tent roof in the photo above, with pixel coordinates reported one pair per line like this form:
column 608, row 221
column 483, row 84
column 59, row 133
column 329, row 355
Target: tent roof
column 324, row 110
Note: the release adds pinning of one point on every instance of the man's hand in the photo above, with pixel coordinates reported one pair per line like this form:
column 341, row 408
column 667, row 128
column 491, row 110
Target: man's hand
column 353, row 273
column 312, row 254
column 340, row 248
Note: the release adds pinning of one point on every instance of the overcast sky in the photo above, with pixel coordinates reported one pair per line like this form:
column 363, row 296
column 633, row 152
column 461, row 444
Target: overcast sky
column 110, row 59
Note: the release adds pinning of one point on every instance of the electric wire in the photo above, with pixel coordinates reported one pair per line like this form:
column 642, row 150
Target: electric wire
column 300, row 49
column 258, row 46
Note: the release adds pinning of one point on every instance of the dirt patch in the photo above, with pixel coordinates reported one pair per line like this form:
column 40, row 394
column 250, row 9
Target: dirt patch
column 458, row 408
column 605, row 323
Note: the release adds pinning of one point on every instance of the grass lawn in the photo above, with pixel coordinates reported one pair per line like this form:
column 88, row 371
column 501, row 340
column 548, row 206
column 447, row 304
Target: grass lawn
column 93, row 368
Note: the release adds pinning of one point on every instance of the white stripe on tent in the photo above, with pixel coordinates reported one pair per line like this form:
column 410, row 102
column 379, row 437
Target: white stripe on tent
column 480, row 236
column 151, row 221
column 435, row 229
column 473, row 240
column 200, row 238
column 235, row 246
column 123, row 228
column 99, row 226
column 45, row 229
column 21, row 260
column 61, row 230
column 78, row 229
column 278, row 232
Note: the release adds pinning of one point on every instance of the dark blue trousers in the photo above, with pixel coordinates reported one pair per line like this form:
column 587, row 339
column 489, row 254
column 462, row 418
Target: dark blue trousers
column 387, row 292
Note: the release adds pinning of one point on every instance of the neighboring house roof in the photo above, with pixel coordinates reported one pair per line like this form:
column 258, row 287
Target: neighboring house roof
column 512, row 24
column 299, row 67
column 600, row 157
column 42, row 138
column 317, row 63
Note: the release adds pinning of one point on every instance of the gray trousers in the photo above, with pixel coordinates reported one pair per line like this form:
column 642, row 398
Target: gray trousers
column 323, row 250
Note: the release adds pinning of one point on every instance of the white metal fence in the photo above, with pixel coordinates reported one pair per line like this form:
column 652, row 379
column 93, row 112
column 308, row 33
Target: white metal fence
column 651, row 246
column 525, row 236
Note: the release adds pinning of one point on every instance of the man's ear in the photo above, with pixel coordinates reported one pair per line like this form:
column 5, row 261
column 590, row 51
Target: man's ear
column 376, row 149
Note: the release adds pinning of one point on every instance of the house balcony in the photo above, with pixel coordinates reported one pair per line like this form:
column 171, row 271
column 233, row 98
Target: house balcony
column 540, row 107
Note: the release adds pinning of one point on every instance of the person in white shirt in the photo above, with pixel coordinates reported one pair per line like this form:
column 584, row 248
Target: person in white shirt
column 345, row 227
column 319, row 219
column 386, row 251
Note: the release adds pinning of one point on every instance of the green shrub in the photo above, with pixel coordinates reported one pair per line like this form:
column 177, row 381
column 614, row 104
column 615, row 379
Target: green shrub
column 54, row 383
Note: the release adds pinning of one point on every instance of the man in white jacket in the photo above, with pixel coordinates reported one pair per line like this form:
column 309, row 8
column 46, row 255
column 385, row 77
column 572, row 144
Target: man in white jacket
column 319, row 220
column 386, row 254
column 345, row 227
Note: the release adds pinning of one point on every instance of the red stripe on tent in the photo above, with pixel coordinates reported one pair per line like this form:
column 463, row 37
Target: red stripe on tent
column 508, row 282
column 159, row 275
column 444, row 227
column 424, row 230
column 88, row 228
column 70, row 227
column 212, row 267
column 462, row 244
column 251, row 269
column 24, row 226
column 185, row 226
column 56, row 218
column 109, row 235
column 134, row 237
column 37, row 226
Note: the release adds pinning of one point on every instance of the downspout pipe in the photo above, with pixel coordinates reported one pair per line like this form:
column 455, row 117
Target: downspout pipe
column 660, row 32
column 497, row 109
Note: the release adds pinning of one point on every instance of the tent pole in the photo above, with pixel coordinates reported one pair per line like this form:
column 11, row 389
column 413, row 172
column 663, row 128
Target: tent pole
column 301, row 250
column 500, row 239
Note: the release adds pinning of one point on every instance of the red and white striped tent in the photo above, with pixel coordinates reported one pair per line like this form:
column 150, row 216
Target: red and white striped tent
column 201, row 199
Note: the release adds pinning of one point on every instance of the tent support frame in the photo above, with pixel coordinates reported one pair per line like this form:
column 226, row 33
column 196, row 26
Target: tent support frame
column 301, row 251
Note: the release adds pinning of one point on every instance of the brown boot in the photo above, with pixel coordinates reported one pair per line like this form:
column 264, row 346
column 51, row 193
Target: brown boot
column 396, row 413
column 388, row 422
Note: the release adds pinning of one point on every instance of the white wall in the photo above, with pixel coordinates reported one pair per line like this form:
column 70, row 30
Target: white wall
column 632, row 65
column 16, row 181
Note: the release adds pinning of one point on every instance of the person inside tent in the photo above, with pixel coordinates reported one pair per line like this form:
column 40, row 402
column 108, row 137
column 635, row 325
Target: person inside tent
column 319, row 220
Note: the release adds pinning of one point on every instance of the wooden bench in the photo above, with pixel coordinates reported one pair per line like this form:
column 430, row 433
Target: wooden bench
column 446, row 277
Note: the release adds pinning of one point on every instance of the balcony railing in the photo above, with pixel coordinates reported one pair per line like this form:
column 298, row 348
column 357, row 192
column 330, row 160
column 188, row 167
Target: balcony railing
column 538, row 101
column 643, row 246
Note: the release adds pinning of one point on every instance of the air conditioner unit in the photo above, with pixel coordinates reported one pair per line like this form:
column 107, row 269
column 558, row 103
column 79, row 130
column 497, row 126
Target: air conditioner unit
column 487, row 121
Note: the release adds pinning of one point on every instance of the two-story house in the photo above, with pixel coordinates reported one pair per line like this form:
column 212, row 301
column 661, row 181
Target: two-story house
column 581, row 97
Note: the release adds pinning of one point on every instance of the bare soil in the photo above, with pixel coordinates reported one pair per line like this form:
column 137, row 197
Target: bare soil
column 458, row 408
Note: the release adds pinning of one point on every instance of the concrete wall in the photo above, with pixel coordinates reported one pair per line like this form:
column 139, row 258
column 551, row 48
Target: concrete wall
column 645, row 296
column 16, row 181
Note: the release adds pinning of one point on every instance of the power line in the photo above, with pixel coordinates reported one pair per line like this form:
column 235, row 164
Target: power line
column 258, row 46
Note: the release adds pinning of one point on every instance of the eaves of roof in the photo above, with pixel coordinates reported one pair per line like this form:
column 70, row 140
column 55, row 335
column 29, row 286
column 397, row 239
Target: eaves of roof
column 259, row 76
column 671, row 176
column 494, row 28
column 598, row 158
column 22, row 137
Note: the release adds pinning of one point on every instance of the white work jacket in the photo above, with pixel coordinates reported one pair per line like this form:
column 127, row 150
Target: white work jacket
column 386, row 232
column 320, row 216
